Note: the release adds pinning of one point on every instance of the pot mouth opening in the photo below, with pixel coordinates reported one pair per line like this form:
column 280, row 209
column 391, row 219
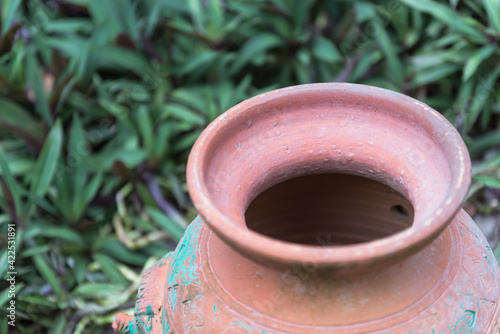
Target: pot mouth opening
column 329, row 210
column 328, row 133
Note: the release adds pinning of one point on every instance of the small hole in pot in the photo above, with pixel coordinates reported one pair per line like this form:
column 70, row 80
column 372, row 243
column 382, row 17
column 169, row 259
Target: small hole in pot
column 400, row 211
column 329, row 209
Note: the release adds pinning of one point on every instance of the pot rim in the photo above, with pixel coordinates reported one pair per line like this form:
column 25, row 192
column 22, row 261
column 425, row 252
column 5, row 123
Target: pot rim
column 266, row 248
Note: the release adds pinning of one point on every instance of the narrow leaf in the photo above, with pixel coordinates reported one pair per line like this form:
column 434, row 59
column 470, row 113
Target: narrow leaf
column 487, row 165
column 493, row 9
column 9, row 10
column 112, row 57
column 183, row 113
column 45, row 166
column 145, row 127
column 39, row 300
column 324, row 49
column 34, row 77
column 484, row 91
column 96, row 289
column 62, row 233
column 390, row 53
column 49, row 275
column 433, row 74
column 113, row 248
column 110, row 268
column 17, row 120
column 489, row 181
column 12, row 186
column 88, row 195
column 76, row 159
column 254, row 46
column 168, row 224
column 477, row 58
column 484, row 142
column 198, row 60
column 80, row 265
column 197, row 11
column 447, row 15
column 4, row 295
column 497, row 252
column 59, row 324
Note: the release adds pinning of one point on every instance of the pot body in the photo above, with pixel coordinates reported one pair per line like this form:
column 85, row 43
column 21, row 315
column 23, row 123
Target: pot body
column 408, row 260
column 207, row 287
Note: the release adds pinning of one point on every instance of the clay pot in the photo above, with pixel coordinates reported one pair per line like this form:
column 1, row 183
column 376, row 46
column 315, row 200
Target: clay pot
column 325, row 208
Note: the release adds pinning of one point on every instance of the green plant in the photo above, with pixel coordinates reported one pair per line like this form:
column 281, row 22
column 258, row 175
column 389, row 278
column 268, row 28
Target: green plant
column 102, row 101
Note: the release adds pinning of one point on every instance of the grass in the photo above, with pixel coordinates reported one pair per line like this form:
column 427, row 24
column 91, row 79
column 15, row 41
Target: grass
column 102, row 100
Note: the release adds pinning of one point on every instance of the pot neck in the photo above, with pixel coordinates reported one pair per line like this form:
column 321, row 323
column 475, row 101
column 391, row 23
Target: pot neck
column 322, row 129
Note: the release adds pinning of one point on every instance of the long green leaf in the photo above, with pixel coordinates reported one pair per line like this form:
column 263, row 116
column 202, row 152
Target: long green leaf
column 145, row 127
column 49, row 275
column 88, row 195
column 254, row 46
column 39, row 300
column 34, row 77
column 497, row 252
column 62, row 198
column 198, row 60
column 168, row 224
column 77, row 159
column 183, row 113
column 198, row 14
column 71, row 47
column 487, row 165
column 482, row 143
column 389, row 50
column 3, row 261
column 110, row 268
column 46, row 167
column 324, row 49
column 477, row 58
column 112, row 57
column 59, row 324
column 69, row 25
column 434, row 74
column 29, row 252
column 484, row 91
column 96, row 289
column 113, row 248
column 9, row 10
column 447, row 15
column 4, row 295
column 493, row 9
column 105, row 160
column 80, row 265
column 62, row 233
column 17, row 120
column 12, row 185
column 489, row 181
column 46, row 163
column 127, row 17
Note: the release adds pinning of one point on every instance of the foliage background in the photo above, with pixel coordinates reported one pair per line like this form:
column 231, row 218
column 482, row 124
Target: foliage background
column 101, row 101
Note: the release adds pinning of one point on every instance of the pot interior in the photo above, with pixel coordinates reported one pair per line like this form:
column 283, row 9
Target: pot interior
column 329, row 209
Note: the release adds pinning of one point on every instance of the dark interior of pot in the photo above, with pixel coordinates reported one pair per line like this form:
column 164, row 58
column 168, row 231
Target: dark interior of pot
column 329, row 209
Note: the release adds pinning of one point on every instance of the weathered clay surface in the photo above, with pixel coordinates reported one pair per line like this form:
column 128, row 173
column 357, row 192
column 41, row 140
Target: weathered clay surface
column 149, row 305
column 462, row 297
column 407, row 264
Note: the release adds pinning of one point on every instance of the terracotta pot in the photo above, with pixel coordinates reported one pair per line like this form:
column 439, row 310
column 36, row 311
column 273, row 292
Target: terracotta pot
column 325, row 208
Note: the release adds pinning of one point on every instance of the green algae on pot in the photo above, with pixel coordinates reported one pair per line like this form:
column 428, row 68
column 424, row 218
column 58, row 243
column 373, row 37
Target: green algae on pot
column 325, row 208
